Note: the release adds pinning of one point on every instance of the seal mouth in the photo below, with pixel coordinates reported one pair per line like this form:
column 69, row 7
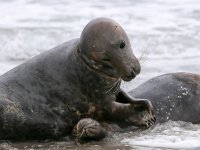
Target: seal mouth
column 130, row 77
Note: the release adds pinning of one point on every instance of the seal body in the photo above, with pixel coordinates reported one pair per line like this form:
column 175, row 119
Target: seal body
column 46, row 96
column 174, row 96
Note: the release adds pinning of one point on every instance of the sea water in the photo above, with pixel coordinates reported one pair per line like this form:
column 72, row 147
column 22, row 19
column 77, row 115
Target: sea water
column 165, row 36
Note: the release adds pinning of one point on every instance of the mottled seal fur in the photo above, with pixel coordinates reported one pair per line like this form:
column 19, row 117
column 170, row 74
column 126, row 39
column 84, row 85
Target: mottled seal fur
column 46, row 96
column 174, row 96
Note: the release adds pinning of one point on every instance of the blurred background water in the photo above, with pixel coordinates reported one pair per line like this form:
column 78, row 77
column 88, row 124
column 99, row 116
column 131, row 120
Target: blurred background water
column 165, row 36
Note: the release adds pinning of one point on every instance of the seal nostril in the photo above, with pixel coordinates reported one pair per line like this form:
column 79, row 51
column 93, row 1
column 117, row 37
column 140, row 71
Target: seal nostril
column 133, row 73
column 136, row 70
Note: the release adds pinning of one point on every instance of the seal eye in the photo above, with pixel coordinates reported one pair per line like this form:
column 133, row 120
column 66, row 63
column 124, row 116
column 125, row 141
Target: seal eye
column 122, row 44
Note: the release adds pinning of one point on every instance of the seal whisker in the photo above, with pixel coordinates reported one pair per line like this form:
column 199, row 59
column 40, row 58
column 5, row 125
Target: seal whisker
column 117, row 87
column 144, row 57
column 124, row 84
column 112, row 86
column 144, row 60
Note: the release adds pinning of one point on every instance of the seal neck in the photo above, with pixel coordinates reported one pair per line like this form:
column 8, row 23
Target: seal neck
column 93, row 67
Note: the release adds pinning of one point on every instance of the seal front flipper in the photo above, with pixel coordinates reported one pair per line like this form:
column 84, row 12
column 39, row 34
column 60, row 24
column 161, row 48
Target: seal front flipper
column 88, row 129
column 142, row 109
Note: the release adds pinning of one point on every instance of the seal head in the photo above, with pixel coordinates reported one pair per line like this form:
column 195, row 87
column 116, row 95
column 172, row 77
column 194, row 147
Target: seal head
column 105, row 47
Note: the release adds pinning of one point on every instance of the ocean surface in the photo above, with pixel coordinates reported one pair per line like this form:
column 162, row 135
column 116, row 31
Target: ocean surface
column 165, row 36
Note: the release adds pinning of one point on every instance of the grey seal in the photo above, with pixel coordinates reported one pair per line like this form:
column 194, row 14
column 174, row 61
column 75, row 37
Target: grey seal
column 174, row 96
column 49, row 94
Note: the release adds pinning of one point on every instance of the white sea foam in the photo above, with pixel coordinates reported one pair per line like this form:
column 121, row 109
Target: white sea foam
column 162, row 28
column 179, row 135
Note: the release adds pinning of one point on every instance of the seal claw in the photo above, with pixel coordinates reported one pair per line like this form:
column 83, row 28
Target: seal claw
column 88, row 129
